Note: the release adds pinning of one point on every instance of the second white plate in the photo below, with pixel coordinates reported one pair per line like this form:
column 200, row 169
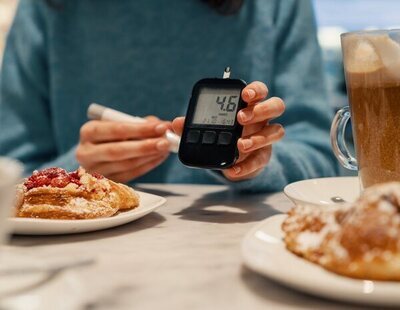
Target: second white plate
column 264, row 251
column 323, row 191
column 31, row 226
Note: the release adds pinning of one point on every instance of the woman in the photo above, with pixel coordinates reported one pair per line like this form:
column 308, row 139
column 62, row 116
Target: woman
column 142, row 57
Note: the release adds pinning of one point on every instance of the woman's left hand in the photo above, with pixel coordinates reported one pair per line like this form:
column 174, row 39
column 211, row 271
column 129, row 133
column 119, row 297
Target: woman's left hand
column 255, row 145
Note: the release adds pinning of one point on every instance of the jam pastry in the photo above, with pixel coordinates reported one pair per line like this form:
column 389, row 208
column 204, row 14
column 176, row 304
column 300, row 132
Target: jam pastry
column 56, row 194
column 361, row 240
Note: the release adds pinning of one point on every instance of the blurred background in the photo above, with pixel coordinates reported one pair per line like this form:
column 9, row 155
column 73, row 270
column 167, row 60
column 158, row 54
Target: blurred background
column 333, row 18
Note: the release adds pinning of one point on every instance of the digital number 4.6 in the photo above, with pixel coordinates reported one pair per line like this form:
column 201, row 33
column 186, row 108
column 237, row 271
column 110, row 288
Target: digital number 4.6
column 230, row 107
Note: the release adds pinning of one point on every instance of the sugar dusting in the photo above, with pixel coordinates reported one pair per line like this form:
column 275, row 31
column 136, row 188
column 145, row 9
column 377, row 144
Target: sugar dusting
column 357, row 240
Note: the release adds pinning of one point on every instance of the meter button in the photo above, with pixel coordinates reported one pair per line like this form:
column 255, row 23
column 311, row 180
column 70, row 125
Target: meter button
column 193, row 136
column 209, row 137
column 224, row 138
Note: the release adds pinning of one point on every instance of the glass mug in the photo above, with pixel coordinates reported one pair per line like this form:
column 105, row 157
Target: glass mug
column 372, row 69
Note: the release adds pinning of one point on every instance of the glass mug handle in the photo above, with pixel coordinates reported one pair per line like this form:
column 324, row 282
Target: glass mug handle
column 338, row 142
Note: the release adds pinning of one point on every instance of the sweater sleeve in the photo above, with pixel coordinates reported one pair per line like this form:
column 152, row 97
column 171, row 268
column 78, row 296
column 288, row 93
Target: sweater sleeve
column 25, row 113
column 305, row 150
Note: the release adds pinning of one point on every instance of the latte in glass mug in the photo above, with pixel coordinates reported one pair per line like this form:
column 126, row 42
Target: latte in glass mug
column 372, row 69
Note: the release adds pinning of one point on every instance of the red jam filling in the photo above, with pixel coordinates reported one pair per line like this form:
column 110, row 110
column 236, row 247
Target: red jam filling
column 55, row 177
column 97, row 175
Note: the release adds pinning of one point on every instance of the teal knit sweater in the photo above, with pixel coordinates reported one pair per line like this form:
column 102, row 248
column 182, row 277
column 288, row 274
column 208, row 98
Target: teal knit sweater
column 142, row 57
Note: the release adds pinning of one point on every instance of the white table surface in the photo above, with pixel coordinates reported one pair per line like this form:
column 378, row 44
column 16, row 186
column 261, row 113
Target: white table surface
column 186, row 255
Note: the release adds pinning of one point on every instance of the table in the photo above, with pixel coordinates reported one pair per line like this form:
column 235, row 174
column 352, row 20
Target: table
column 184, row 256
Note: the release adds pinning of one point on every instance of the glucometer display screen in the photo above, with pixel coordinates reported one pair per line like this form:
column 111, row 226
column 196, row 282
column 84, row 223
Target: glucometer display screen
column 216, row 106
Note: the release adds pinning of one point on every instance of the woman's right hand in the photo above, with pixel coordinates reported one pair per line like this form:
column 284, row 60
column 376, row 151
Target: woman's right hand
column 122, row 151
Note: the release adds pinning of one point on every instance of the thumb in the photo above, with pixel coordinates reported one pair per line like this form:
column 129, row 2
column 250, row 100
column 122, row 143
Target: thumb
column 177, row 125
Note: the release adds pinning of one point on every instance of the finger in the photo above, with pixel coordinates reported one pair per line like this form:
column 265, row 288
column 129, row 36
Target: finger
column 253, row 128
column 109, row 168
column 169, row 125
column 177, row 125
column 254, row 92
column 138, row 171
column 251, row 166
column 117, row 151
column 266, row 136
column 242, row 157
column 105, row 131
column 152, row 118
column 266, row 110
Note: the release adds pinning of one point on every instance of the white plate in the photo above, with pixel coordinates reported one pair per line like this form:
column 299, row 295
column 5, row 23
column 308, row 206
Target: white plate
column 320, row 191
column 29, row 226
column 264, row 252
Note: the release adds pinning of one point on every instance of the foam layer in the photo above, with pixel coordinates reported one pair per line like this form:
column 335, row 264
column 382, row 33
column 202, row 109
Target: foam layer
column 374, row 57
column 361, row 57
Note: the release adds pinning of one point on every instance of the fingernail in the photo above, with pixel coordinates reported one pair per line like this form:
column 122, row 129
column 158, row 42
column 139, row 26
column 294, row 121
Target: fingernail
column 245, row 116
column 236, row 169
column 162, row 145
column 161, row 128
column 251, row 93
column 247, row 143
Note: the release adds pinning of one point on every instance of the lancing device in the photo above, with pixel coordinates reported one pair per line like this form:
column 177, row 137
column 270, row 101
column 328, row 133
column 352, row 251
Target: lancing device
column 99, row 112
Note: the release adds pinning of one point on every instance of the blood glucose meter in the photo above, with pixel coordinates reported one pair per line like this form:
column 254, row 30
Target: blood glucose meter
column 211, row 130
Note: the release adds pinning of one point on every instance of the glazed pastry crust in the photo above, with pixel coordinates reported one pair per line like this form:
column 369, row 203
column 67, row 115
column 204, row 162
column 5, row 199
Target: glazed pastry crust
column 359, row 241
column 123, row 196
column 93, row 198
